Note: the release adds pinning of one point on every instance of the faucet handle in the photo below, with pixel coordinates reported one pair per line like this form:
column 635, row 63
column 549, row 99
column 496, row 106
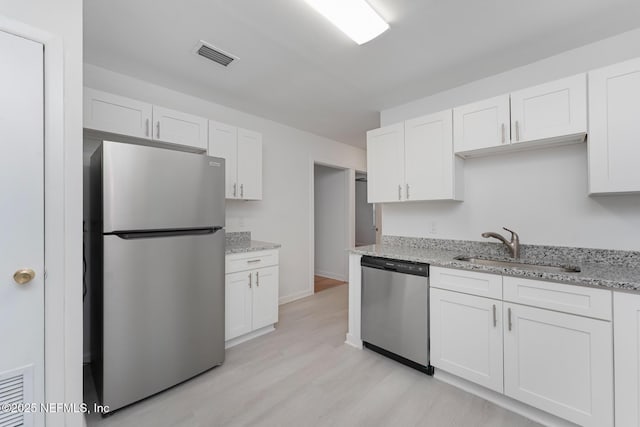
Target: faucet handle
column 514, row 235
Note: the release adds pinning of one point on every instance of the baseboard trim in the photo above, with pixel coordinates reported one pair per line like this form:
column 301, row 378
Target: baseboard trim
column 251, row 335
column 294, row 297
column 353, row 342
column 499, row 399
column 330, row 275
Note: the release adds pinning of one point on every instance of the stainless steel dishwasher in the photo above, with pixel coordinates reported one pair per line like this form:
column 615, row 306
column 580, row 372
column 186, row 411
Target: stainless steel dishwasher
column 395, row 310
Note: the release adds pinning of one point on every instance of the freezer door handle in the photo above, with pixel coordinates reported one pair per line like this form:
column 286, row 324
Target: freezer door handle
column 147, row 234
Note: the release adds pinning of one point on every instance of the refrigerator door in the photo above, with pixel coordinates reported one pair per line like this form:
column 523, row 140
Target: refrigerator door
column 149, row 188
column 163, row 302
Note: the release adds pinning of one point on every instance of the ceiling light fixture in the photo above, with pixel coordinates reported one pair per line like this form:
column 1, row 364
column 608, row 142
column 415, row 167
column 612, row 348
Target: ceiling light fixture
column 355, row 18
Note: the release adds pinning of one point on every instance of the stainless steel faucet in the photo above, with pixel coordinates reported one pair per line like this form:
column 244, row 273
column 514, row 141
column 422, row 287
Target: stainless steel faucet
column 513, row 245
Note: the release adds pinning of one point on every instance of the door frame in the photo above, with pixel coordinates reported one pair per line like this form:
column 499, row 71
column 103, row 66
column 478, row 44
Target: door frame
column 350, row 212
column 62, row 205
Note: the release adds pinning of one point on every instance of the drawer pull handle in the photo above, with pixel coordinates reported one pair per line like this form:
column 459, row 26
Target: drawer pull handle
column 254, row 260
column 495, row 316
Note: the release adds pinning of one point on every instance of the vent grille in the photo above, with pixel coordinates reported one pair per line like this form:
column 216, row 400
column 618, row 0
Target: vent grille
column 12, row 391
column 214, row 54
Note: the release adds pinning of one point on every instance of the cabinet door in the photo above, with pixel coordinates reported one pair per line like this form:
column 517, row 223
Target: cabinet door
column 626, row 342
column 249, row 165
column 552, row 110
column 223, row 143
column 385, row 164
column 482, row 124
column 238, row 295
column 179, row 128
column 614, row 148
column 466, row 337
column 265, row 297
column 429, row 162
column 560, row 363
column 117, row 114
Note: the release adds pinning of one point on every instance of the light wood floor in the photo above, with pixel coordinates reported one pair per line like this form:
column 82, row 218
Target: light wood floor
column 304, row 375
column 323, row 283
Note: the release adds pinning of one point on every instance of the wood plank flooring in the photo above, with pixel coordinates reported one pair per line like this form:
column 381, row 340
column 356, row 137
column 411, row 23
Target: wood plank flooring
column 323, row 283
column 304, row 375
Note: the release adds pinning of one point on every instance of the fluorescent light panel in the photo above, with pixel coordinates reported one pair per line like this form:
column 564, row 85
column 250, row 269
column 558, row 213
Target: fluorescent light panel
column 355, row 18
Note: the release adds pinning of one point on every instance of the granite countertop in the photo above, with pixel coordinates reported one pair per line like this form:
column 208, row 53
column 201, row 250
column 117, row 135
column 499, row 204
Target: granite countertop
column 250, row 246
column 618, row 270
column 240, row 242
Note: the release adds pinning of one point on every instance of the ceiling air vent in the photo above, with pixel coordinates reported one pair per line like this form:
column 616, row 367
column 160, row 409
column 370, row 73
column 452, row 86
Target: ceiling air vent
column 214, row 54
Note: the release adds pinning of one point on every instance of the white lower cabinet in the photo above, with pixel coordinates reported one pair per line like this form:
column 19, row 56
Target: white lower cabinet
column 626, row 343
column 560, row 363
column 251, row 293
column 466, row 337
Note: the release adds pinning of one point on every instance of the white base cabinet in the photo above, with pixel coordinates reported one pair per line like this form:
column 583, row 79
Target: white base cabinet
column 561, row 363
column 626, row 343
column 251, row 292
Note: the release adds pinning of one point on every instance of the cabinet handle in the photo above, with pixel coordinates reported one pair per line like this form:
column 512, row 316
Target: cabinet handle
column 399, row 192
column 509, row 317
column 407, row 191
column 241, row 190
column 495, row 317
column 234, row 189
column 158, row 129
column 257, row 278
column 503, row 134
column 517, row 131
column 249, row 280
column 146, row 131
column 253, row 260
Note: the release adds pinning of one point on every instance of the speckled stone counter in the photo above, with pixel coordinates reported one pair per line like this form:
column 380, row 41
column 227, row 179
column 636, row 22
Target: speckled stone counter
column 240, row 242
column 618, row 270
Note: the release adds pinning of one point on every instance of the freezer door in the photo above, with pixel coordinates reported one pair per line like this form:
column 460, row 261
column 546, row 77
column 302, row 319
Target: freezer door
column 149, row 188
column 163, row 313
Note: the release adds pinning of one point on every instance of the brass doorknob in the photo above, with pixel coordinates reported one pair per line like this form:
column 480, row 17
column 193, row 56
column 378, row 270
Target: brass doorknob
column 24, row 276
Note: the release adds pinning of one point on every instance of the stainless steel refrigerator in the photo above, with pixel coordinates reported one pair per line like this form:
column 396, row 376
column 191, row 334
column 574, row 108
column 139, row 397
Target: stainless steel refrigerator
column 157, row 269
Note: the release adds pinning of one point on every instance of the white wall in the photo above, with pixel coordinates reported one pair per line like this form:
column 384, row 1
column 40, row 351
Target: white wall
column 331, row 228
column 541, row 194
column 285, row 214
column 59, row 25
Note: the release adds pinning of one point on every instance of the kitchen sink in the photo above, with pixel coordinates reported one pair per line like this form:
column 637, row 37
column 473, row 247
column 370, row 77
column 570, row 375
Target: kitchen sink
column 514, row 263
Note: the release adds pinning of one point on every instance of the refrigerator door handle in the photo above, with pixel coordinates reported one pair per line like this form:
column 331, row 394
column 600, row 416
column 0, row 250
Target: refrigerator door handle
column 147, row 234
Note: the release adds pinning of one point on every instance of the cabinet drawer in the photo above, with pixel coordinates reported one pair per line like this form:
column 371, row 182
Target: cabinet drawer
column 469, row 282
column 560, row 297
column 250, row 260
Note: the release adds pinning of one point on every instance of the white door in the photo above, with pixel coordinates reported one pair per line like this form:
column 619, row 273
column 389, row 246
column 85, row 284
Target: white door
column 429, row 158
column 466, row 337
column 223, row 143
column 482, row 124
column 238, row 292
column 249, row 165
column 626, row 343
column 614, row 149
column 385, row 164
column 550, row 110
column 179, row 128
column 117, row 114
column 265, row 297
column 22, row 224
column 560, row 363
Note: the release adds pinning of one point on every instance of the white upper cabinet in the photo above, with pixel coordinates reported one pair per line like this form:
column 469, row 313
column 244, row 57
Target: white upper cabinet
column 250, row 164
column 242, row 151
column 179, row 128
column 413, row 161
column 116, row 114
column 385, row 164
column 552, row 110
column 614, row 128
column 431, row 170
column 481, row 124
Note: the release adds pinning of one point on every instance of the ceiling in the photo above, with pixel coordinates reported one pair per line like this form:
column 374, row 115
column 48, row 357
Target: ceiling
column 297, row 69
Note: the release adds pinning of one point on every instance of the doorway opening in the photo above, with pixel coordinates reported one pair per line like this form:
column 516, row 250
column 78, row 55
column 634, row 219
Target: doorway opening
column 331, row 226
column 368, row 215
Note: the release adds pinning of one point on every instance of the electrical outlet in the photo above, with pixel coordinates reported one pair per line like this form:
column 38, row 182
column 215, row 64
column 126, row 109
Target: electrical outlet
column 434, row 227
